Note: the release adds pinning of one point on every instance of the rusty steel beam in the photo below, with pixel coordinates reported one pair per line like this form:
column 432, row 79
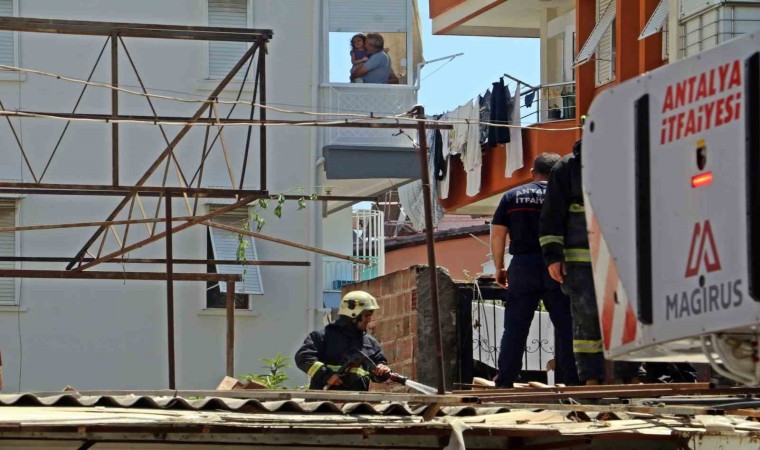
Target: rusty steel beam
column 284, row 242
column 141, row 30
column 206, row 262
column 261, row 67
column 230, row 306
column 157, row 236
column 145, row 191
column 170, row 293
column 167, row 152
column 430, row 233
column 95, row 275
column 114, row 109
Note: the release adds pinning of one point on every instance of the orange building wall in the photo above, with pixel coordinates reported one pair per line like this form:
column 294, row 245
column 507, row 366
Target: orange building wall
column 632, row 57
column 553, row 137
column 456, row 255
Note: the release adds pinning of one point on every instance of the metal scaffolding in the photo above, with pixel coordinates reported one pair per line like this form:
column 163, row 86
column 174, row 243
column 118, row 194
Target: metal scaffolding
column 188, row 189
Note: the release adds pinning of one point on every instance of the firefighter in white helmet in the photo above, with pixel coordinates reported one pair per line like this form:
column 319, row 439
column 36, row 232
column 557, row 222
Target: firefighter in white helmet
column 342, row 355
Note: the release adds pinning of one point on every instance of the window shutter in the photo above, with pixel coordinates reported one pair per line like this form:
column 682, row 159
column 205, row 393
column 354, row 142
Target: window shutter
column 222, row 56
column 7, row 45
column 384, row 16
column 603, row 24
column 7, row 248
column 225, row 245
column 656, row 23
column 605, row 52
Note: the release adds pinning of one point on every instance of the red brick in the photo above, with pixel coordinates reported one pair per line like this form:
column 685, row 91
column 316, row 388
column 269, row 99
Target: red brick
column 405, row 326
column 405, row 349
column 400, row 304
column 414, row 300
column 413, row 325
column 378, row 314
column 409, row 279
column 391, row 351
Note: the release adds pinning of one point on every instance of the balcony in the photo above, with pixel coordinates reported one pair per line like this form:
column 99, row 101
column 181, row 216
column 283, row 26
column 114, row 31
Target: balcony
column 368, row 245
column 552, row 102
column 367, row 161
column 380, row 99
column 552, row 107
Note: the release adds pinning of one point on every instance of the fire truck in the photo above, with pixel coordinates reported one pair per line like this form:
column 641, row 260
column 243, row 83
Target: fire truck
column 671, row 174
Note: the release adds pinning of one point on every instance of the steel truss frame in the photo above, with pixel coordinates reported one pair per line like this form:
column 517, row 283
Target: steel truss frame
column 207, row 115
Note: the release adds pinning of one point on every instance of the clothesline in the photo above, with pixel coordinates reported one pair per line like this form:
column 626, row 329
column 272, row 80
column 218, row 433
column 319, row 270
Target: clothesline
column 357, row 117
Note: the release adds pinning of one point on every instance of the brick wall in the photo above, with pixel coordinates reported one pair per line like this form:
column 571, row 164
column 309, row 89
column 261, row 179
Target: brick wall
column 395, row 323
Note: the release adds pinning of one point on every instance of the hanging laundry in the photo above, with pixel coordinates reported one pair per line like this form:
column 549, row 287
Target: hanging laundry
column 515, row 147
column 485, row 115
column 529, row 97
column 412, row 199
column 460, row 115
column 499, row 114
column 472, row 158
column 443, row 184
column 439, row 159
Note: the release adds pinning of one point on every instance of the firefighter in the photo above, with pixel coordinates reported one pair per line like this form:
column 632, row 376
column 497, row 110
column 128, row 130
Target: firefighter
column 517, row 216
column 328, row 356
column 564, row 242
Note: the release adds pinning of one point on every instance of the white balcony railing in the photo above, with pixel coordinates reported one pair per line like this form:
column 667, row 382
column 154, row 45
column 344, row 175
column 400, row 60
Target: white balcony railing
column 379, row 99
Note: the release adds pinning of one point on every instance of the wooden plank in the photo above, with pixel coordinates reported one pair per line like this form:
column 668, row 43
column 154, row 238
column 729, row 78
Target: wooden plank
column 622, row 393
column 487, row 390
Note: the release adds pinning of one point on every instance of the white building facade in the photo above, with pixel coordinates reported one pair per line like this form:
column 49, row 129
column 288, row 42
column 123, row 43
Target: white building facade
column 113, row 334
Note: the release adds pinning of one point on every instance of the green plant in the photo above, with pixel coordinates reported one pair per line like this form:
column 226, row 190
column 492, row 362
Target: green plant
column 262, row 205
column 274, row 377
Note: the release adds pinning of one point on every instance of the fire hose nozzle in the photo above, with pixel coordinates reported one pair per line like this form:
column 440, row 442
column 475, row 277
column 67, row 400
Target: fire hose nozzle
column 397, row 378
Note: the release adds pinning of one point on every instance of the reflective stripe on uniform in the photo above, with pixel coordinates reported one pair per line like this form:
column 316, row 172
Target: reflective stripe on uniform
column 586, row 346
column 315, row 368
column 551, row 239
column 577, row 255
column 355, row 370
column 577, row 207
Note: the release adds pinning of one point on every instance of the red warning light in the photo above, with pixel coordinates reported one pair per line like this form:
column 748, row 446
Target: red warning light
column 703, row 179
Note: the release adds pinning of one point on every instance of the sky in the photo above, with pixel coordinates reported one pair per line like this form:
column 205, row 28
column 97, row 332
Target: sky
column 448, row 84
column 485, row 59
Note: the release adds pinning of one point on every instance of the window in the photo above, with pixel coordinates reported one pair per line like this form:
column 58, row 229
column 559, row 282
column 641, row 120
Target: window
column 8, row 248
column 224, row 245
column 222, row 56
column 390, row 18
column 7, row 38
column 605, row 52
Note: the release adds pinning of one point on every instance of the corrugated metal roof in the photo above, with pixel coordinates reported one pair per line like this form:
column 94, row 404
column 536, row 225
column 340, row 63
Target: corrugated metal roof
column 239, row 405
column 326, row 424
